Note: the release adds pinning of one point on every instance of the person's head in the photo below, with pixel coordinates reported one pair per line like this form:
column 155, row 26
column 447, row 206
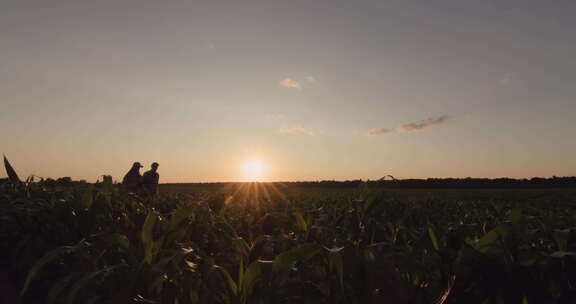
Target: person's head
column 154, row 166
column 136, row 166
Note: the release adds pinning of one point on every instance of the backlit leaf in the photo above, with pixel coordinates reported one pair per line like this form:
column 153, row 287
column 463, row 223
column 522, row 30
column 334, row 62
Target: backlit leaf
column 11, row 172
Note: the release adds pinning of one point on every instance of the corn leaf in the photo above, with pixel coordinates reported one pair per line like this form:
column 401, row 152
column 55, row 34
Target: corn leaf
column 47, row 258
column 147, row 236
column 491, row 238
column 252, row 275
column 87, row 197
column 179, row 216
column 11, row 172
column 285, row 260
column 433, row 238
column 118, row 240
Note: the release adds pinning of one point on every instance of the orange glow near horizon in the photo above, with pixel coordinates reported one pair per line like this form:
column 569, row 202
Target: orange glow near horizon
column 253, row 169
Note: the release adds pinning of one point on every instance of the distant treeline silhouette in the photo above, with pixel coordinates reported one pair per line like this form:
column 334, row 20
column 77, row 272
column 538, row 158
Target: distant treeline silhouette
column 431, row 183
column 536, row 182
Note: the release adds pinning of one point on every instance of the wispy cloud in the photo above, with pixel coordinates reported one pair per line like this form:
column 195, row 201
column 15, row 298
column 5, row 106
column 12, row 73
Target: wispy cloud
column 380, row 131
column 290, row 83
column 300, row 129
column 412, row 126
column 310, row 79
column 418, row 125
column 298, row 83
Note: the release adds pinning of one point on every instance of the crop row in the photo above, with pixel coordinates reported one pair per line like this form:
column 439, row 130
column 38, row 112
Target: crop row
column 97, row 243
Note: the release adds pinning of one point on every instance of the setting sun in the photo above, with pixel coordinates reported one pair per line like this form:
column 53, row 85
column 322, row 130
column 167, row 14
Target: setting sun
column 253, row 169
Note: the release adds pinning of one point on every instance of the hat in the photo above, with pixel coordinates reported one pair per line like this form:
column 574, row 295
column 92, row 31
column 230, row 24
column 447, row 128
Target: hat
column 137, row 164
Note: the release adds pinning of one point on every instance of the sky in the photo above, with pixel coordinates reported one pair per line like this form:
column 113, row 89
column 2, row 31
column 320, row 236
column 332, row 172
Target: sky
column 311, row 90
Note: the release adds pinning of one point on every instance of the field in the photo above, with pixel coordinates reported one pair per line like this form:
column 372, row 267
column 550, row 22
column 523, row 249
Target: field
column 277, row 243
column 543, row 195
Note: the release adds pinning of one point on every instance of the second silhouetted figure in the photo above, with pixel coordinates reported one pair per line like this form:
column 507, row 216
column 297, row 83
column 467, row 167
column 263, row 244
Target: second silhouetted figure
column 150, row 181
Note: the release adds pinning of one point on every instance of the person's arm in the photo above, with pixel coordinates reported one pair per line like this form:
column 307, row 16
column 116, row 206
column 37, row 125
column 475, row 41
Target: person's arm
column 156, row 181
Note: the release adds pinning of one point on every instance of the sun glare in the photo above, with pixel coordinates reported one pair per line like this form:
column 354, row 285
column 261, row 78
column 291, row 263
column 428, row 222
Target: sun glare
column 253, row 169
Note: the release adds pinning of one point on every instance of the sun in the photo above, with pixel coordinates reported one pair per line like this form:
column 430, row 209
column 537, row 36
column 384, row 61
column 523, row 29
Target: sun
column 253, row 169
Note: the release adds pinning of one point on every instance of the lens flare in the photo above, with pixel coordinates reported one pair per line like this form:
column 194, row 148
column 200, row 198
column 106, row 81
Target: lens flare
column 253, row 169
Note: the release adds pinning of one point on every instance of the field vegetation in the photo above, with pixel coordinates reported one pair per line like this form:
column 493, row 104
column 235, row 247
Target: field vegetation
column 70, row 242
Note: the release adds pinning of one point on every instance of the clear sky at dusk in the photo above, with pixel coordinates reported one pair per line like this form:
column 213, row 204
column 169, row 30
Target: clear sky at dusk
column 312, row 89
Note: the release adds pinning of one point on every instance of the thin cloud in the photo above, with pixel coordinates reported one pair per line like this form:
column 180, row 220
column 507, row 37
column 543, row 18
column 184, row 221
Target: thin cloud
column 310, row 79
column 300, row 129
column 413, row 126
column 290, row 83
column 380, row 131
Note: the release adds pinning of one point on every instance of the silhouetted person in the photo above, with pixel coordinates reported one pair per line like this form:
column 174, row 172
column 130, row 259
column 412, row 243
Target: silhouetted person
column 133, row 179
column 150, row 181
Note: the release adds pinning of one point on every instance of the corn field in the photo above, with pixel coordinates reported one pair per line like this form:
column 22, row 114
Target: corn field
column 258, row 243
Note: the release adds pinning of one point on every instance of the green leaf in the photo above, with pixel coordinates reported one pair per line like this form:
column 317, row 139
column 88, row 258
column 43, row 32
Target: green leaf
column 561, row 236
column 369, row 256
column 300, row 221
column 433, row 238
column 561, row 254
column 179, row 215
column 147, row 236
column 222, row 274
column 250, row 277
column 194, row 297
column 242, row 246
column 368, row 203
column 491, row 238
column 47, row 258
column 241, row 273
column 87, row 197
column 11, row 172
column 285, row 260
column 82, row 282
column 334, row 250
column 175, row 235
column 337, row 264
column 148, row 228
column 516, row 215
column 156, row 284
column 117, row 239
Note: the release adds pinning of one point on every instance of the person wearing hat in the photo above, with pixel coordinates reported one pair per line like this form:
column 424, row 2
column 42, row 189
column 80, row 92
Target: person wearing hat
column 150, row 181
column 132, row 180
